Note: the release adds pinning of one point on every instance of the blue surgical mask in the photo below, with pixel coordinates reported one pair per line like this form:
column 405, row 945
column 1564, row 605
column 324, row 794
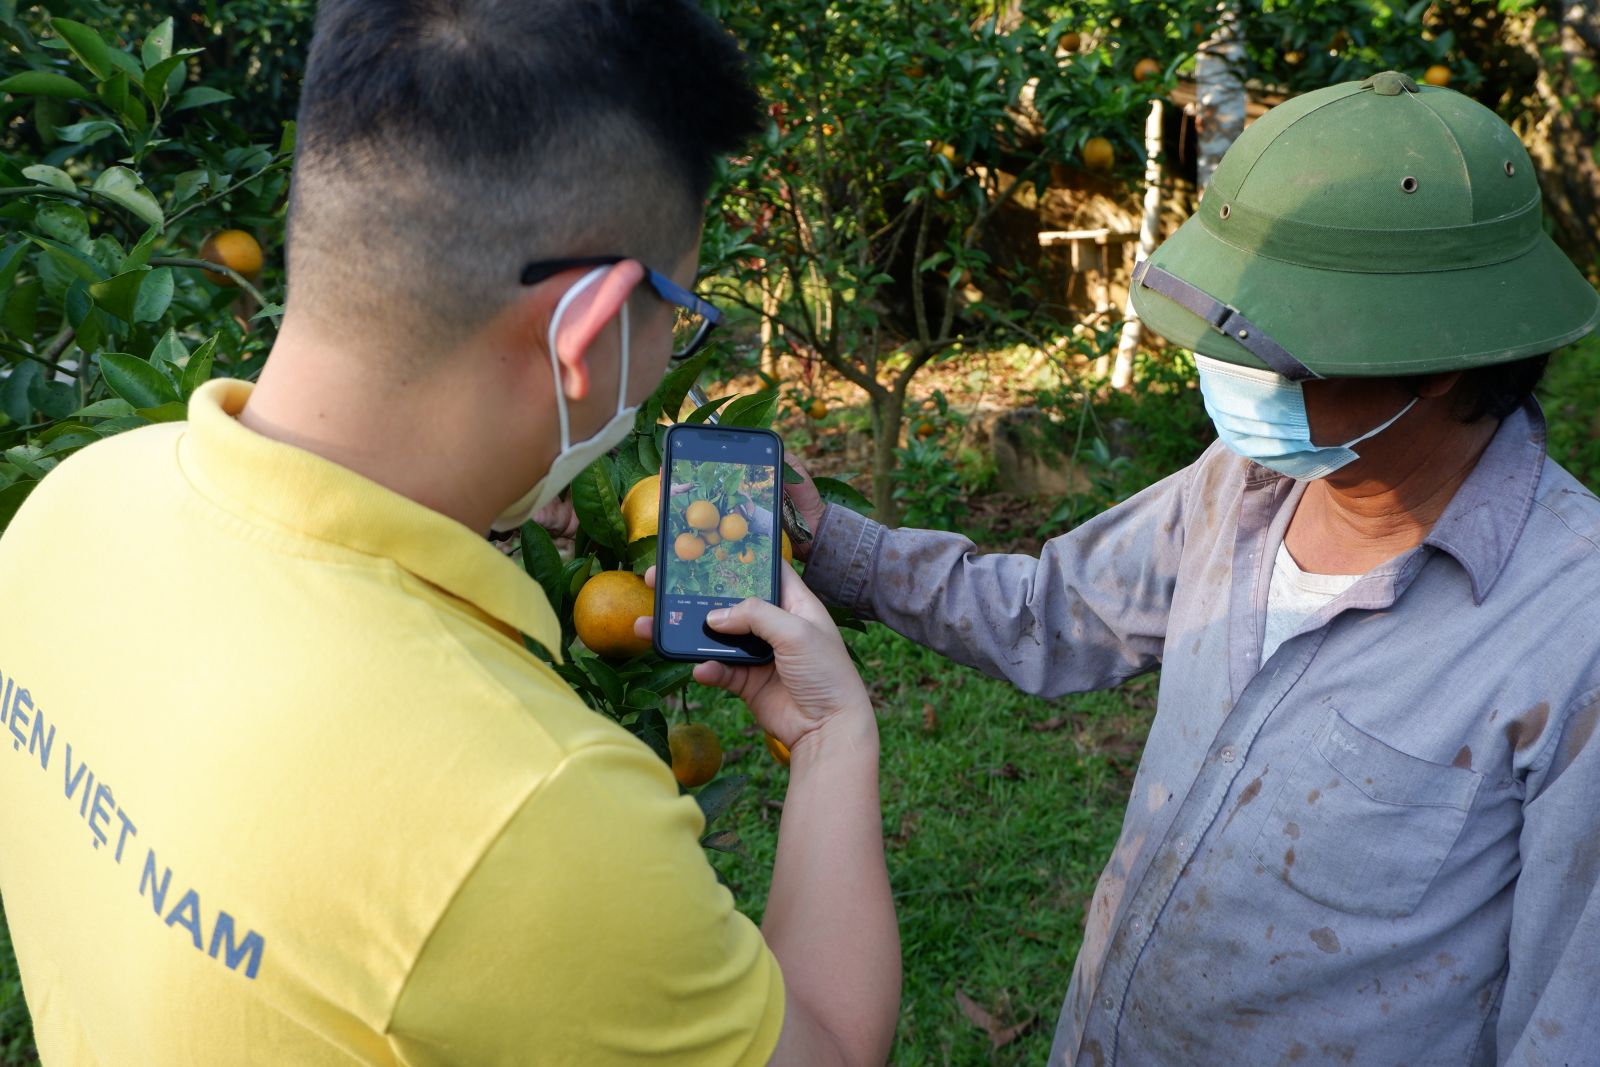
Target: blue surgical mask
column 1262, row 416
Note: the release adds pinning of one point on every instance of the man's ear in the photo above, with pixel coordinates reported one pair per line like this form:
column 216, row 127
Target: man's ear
column 1436, row 385
column 586, row 317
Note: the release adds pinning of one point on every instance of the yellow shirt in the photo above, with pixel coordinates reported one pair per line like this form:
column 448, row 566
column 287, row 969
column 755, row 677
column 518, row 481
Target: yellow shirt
column 285, row 788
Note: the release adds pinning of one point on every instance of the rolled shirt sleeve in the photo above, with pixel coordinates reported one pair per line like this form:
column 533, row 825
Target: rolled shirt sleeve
column 1089, row 612
column 593, row 931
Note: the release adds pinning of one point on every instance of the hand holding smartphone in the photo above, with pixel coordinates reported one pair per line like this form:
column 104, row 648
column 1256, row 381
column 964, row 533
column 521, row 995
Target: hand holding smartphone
column 719, row 538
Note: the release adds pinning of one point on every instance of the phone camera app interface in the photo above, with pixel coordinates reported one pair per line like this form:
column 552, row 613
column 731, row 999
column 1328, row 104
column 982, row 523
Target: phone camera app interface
column 721, row 533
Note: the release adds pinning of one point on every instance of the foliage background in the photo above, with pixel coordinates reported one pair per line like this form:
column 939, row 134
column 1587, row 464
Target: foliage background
column 852, row 238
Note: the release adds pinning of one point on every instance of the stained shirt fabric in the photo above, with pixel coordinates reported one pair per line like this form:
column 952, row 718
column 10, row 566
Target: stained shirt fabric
column 287, row 788
column 1379, row 846
column 1294, row 596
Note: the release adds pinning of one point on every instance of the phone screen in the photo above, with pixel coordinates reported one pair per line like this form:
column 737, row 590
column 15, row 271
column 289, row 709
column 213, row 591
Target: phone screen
column 720, row 538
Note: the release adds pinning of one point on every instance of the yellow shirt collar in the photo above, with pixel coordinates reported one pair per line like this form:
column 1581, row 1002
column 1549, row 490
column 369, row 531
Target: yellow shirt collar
column 268, row 480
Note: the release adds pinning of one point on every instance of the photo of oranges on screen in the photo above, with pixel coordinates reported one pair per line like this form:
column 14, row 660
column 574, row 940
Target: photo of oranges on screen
column 720, row 529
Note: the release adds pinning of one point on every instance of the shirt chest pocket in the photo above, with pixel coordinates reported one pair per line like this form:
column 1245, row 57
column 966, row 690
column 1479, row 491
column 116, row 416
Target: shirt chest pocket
column 1363, row 827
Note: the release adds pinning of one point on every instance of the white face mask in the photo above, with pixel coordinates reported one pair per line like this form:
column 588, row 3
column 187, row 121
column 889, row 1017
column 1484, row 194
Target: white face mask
column 573, row 458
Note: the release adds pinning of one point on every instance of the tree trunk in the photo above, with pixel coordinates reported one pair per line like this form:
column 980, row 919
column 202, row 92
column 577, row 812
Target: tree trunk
column 1219, row 85
column 1562, row 144
column 888, row 409
column 1132, row 328
column 771, row 307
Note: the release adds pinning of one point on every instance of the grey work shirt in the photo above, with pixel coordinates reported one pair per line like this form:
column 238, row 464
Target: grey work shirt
column 1379, row 847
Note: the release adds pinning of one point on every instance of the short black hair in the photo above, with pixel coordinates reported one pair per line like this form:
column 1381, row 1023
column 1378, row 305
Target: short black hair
column 482, row 81
column 443, row 144
column 1497, row 390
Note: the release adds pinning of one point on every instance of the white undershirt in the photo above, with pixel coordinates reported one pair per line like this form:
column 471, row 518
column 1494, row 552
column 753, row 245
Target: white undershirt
column 1295, row 596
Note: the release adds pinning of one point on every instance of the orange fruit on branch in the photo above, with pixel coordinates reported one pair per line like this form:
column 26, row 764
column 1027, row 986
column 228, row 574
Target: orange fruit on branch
column 748, row 556
column 1098, row 154
column 696, row 754
column 688, row 547
column 1146, row 68
column 1438, row 74
column 641, row 508
column 817, row 409
column 234, row 249
column 702, row 515
column 734, row 527
column 605, row 611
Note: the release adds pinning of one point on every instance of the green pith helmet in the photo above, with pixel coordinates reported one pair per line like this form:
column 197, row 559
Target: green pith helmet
column 1368, row 229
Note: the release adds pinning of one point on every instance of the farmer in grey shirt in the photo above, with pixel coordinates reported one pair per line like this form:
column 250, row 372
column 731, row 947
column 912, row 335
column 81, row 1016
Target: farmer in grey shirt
column 1366, row 825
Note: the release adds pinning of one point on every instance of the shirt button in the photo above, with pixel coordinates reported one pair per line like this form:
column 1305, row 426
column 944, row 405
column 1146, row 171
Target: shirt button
column 1137, row 924
column 1226, row 753
column 1182, row 843
column 1105, row 1002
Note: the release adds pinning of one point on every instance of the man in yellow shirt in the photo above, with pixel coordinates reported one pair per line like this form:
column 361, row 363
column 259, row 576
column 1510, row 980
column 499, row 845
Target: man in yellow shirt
column 285, row 786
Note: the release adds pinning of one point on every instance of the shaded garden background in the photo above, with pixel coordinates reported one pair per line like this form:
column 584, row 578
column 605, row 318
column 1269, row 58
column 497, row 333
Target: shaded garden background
column 878, row 247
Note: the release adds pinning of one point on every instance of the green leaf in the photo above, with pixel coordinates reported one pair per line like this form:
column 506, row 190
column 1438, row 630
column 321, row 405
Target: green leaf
column 200, row 96
column 170, row 350
column 110, row 407
column 136, row 381
column 21, row 311
column 642, row 554
column 542, row 561
column 155, row 295
column 198, row 370
column 649, row 454
column 668, row 397
column 706, row 410
column 718, row 796
column 157, row 44
column 90, row 48
column 65, row 222
column 51, row 176
column 158, row 78
column 75, row 262
column 11, row 498
column 604, row 677
column 53, row 400
column 139, row 254
column 188, row 185
column 756, row 410
column 45, row 83
column 792, row 476
column 594, row 498
column 174, row 411
column 843, row 493
column 651, row 728
column 122, row 186
column 120, row 295
column 30, row 460
column 87, row 133
column 63, row 444
column 14, row 400
column 665, row 679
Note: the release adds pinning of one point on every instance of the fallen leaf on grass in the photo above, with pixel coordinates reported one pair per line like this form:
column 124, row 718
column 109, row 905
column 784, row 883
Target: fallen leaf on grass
column 1049, row 724
column 1009, row 772
column 999, row 1036
column 930, row 719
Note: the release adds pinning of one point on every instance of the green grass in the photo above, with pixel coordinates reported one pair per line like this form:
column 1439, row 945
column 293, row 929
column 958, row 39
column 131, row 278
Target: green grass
column 996, row 834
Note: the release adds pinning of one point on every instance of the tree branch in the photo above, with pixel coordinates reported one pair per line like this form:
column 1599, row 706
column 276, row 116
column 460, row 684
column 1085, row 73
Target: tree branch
column 215, row 268
column 275, row 162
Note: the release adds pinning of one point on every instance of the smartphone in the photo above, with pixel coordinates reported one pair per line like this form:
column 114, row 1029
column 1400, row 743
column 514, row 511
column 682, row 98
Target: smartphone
column 720, row 538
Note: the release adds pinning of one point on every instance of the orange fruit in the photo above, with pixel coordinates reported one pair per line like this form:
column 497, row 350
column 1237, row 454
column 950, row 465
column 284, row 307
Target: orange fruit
column 712, row 537
column 641, row 508
column 748, row 556
column 1098, row 154
column 1438, row 74
column 926, row 429
column 788, row 549
column 702, row 515
column 1146, row 68
column 696, row 753
column 779, row 750
column 734, row 527
column 1071, row 42
column 605, row 611
column 688, row 547
column 817, row 409
column 949, row 152
column 913, row 70
column 235, row 250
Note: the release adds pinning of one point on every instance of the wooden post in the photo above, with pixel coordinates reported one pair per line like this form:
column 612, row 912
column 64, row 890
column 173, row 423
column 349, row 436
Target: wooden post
column 1132, row 328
